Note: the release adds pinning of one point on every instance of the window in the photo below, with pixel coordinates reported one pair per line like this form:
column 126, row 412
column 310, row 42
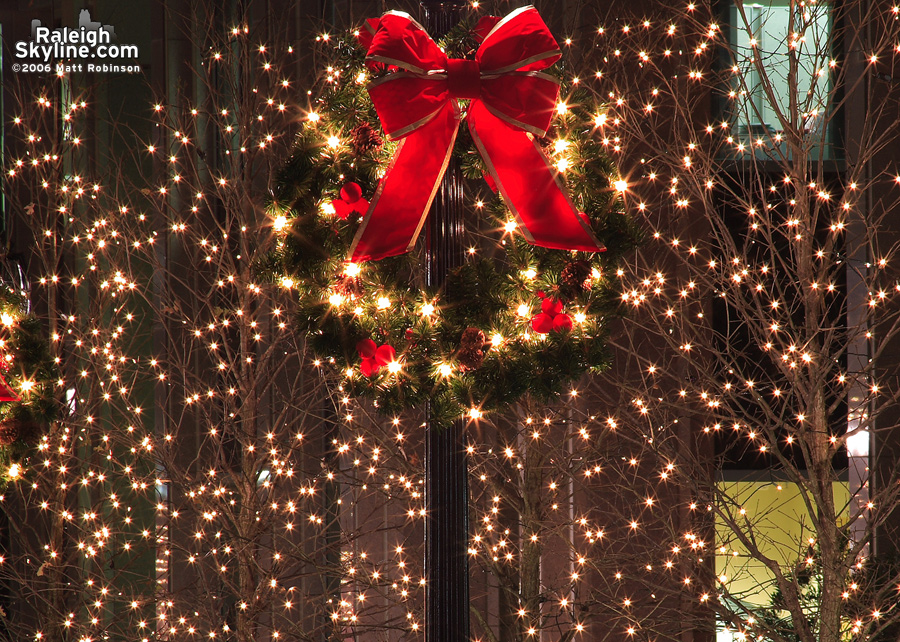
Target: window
column 741, row 328
column 776, row 518
column 776, row 49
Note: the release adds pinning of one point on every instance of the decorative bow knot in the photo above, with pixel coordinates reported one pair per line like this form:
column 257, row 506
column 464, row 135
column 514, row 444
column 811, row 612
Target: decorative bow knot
column 510, row 98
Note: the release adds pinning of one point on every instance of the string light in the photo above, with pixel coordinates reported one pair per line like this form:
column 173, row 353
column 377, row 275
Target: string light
column 111, row 250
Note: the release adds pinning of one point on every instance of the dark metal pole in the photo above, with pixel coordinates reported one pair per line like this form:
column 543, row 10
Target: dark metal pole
column 446, row 474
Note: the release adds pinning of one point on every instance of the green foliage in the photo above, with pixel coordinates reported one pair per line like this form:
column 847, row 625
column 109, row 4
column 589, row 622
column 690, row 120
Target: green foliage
column 30, row 371
column 497, row 291
column 873, row 582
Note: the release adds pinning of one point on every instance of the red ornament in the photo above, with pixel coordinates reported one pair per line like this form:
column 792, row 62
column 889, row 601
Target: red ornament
column 368, row 367
column 7, row 393
column 351, row 192
column 562, row 323
column 508, row 101
column 385, row 354
column 351, row 200
column 366, row 348
column 374, row 357
column 551, row 317
column 542, row 323
column 551, row 307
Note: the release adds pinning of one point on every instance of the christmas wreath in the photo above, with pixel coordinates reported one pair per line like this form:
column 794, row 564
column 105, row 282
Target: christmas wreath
column 28, row 376
column 515, row 318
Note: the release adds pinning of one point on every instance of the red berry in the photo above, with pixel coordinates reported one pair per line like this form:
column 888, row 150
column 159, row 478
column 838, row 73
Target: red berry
column 385, row 354
column 366, row 348
column 368, row 367
column 562, row 323
column 541, row 323
column 551, row 307
column 341, row 209
column 351, row 192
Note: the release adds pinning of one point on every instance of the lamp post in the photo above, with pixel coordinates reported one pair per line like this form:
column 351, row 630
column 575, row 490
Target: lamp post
column 446, row 475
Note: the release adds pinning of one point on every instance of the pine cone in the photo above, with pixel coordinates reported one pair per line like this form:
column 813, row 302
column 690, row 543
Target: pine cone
column 9, row 431
column 24, row 430
column 471, row 349
column 548, row 142
column 30, row 432
column 347, row 285
column 364, row 138
column 575, row 278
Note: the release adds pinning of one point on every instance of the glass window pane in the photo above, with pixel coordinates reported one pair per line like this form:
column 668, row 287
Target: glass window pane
column 780, row 49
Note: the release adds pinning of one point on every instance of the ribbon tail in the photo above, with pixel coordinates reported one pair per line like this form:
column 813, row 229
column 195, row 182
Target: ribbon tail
column 401, row 202
column 529, row 184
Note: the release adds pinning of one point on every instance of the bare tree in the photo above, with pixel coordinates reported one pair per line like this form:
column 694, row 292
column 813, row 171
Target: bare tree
column 208, row 478
column 757, row 146
column 195, row 482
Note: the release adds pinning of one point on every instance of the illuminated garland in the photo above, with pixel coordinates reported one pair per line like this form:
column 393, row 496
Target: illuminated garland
column 515, row 319
column 28, row 376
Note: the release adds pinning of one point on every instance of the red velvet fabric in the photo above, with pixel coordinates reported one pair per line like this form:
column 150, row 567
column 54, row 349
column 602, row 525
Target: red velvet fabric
column 511, row 103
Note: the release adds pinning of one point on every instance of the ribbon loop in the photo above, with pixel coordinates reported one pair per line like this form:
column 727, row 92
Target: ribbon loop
column 417, row 105
column 463, row 78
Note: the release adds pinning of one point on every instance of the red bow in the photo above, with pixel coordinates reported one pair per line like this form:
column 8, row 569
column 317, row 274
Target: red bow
column 367, row 32
column 509, row 97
